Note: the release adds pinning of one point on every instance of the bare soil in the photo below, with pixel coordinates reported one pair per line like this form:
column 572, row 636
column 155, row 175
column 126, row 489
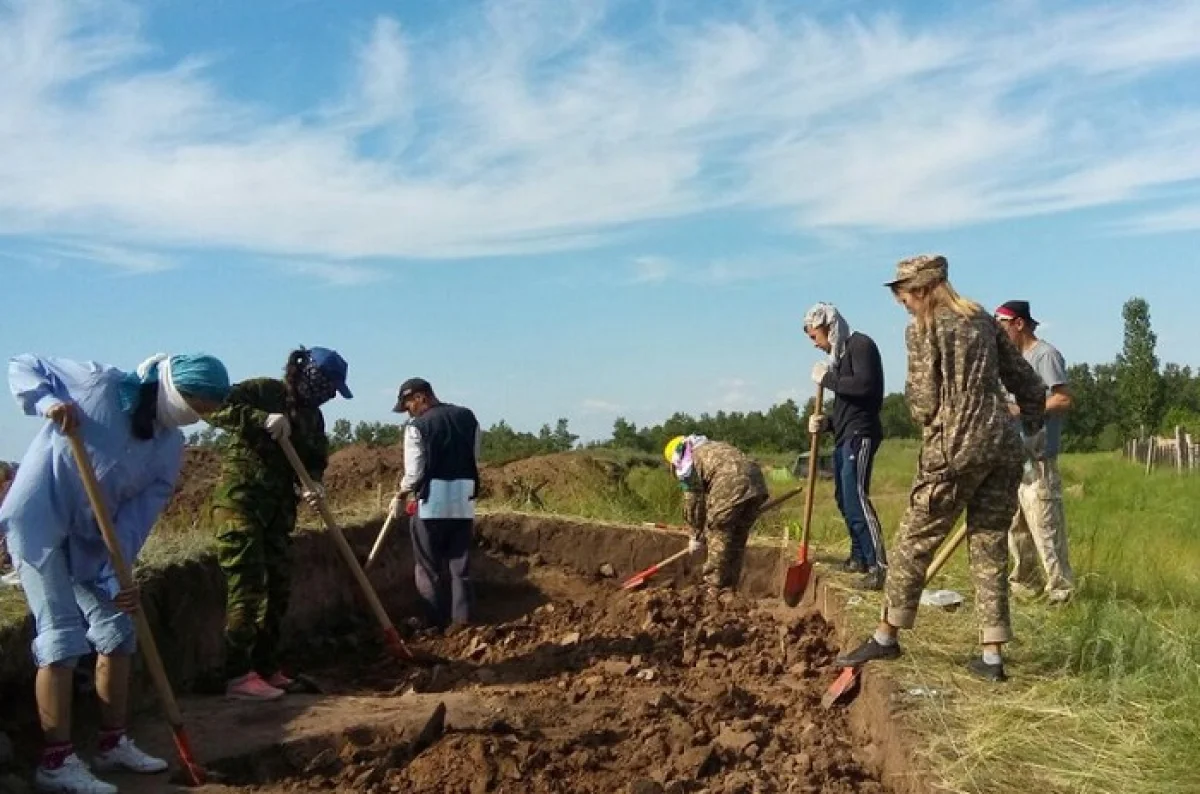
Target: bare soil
column 595, row 690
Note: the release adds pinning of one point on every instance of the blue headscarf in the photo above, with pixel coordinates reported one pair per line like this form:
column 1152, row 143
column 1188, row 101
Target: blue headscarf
column 196, row 375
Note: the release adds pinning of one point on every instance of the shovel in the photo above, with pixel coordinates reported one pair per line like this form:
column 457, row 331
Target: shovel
column 410, row 509
column 639, row 579
column 391, row 638
column 194, row 773
column 848, row 678
column 800, row 572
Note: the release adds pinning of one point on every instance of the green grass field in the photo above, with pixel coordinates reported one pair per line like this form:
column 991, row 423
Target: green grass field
column 1105, row 693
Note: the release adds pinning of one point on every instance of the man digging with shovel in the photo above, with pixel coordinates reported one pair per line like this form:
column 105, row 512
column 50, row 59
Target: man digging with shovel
column 723, row 493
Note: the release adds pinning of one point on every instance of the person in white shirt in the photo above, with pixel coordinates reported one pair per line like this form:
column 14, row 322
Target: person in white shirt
column 441, row 473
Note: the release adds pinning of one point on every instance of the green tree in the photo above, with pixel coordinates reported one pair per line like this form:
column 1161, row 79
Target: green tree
column 342, row 435
column 1139, row 384
column 625, row 436
column 896, row 419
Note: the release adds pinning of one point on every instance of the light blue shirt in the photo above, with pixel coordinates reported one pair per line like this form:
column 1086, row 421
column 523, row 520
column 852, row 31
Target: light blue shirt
column 1052, row 368
column 47, row 507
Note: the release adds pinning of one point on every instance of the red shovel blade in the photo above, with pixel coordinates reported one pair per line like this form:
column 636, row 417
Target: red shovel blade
column 796, row 582
column 841, row 687
column 194, row 774
column 636, row 581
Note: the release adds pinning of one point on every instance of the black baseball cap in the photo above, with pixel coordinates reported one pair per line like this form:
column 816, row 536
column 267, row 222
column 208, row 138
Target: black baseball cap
column 1016, row 310
column 408, row 389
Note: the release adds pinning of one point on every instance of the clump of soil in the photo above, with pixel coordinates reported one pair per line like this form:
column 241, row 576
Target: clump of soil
column 606, row 691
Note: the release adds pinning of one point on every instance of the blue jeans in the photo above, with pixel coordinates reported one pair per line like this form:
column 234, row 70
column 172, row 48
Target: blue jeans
column 853, row 461
column 443, row 544
column 72, row 618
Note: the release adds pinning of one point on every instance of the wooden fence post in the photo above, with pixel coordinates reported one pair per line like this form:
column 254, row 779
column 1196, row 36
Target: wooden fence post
column 1151, row 449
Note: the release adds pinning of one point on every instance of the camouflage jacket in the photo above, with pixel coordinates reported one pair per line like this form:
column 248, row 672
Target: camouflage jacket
column 958, row 372
column 723, row 478
column 253, row 466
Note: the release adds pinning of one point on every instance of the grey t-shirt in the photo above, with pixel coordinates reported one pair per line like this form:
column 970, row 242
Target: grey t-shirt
column 1049, row 364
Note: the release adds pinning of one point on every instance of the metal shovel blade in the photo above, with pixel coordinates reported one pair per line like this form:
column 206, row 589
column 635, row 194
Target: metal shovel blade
column 796, row 582
column 844, row 685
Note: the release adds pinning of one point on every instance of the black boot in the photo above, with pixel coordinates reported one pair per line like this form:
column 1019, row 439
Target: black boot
column 988, row 672
column 873, row 580
column 869, row 651
column 854, row 565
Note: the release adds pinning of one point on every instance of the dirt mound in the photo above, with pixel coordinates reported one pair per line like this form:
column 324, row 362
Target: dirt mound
column 357, row 470
column 562, row 474
column 653, row 692
column 189, row 506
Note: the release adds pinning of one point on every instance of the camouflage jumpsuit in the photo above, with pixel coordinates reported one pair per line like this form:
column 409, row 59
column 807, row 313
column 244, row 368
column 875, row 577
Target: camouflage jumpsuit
column 971, row 458
column 721, row 501
column 254, row 508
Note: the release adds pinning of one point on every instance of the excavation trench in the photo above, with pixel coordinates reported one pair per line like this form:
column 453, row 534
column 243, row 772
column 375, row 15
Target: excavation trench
column 568, row 684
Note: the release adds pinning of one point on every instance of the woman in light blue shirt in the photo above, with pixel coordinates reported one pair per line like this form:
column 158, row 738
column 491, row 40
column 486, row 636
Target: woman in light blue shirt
column 129, row 423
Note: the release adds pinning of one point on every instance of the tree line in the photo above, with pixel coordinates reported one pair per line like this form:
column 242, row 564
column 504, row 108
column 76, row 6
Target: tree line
column 1131, row 395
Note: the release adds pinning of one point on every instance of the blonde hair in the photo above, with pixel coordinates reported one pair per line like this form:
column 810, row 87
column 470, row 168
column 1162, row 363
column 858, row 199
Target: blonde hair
column 941, row 295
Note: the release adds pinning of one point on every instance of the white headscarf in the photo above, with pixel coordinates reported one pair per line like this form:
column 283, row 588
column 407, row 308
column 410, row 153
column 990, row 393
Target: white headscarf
column 826, row 314
column 172, row 409
column 682, row 461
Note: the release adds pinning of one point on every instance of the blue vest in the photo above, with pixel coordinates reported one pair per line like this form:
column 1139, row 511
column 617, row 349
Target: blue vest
column 448, row 444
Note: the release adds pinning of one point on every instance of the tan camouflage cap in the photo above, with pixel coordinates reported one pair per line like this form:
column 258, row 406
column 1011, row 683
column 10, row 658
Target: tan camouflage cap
column 920, row 271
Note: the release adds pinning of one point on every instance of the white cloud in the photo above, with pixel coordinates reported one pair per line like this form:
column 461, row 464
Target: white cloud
column 337, row 274
column 716, row 272
column 651, row 270
column 734, row 394
column 534, row 127
column 124, row 260
column 595, row 405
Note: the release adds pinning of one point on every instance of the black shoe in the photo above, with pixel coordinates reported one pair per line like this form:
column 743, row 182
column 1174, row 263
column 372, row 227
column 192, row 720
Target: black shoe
column 873, row 580
column 869, row 651
column 988, row 672
column 852, row 565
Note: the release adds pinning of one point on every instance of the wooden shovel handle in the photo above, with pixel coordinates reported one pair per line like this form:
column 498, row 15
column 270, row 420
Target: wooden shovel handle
column 814, row 446
column 339, row 540
column 154, row 664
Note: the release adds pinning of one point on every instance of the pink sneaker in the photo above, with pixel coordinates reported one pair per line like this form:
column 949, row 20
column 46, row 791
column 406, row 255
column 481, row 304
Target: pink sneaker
column 279, row 680
column 251, row 686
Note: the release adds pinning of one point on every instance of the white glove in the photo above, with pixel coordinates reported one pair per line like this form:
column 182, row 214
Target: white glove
column 819, row 371
column 278, row 426
column 816, row 424
column 315, row 496
column 695, row 544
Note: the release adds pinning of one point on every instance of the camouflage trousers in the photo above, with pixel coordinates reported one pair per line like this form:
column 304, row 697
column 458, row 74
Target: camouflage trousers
column 989, row 497
column 1037, row 538
column 726, row 544
column 254, row 552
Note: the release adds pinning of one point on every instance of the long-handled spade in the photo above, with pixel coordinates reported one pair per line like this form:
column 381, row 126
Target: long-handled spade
column 377, row 547
column 639, row 579
column 848, row 678
column 800, row 572
column 194, row 773
column 391, row 638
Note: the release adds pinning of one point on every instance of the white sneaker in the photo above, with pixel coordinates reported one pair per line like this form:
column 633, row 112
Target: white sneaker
column 73, row 777
column 128, row 757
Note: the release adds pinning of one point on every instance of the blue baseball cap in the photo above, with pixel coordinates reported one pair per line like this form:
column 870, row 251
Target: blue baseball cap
column 333, row 367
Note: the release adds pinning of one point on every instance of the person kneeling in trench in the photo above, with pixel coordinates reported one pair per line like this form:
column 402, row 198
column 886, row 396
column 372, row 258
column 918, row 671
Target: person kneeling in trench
column 723, row 492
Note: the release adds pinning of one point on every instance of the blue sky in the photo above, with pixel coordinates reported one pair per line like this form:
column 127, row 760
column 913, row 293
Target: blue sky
column 582, row 208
